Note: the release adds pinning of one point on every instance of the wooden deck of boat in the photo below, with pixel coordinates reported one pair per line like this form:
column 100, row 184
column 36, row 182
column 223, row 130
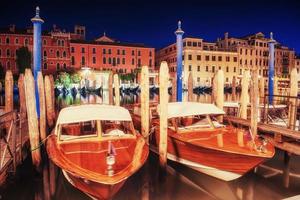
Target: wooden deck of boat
column 14, row 151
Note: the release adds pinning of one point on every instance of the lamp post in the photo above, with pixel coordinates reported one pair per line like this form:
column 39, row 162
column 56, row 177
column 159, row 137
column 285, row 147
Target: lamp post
column 37, row 51
column 179, row 33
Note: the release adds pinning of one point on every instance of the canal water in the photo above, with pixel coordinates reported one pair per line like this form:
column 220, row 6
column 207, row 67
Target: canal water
column 180, row 183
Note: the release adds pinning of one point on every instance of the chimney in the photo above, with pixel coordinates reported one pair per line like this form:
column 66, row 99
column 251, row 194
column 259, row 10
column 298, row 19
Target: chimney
column 12, row 28
column 226, row 40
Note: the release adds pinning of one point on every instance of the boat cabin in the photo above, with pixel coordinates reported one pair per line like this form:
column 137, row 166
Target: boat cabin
column 191, row 116
column 93, row 123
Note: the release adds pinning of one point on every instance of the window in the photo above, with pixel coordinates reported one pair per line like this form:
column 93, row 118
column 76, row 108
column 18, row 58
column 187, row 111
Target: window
column 8, row 65
column 7, row 52
column 72, row 50
column 63, row 43
column 150, row 63
column 190, row 57
column 227, row 69
column 17, row 41
column 7, row 40
column 199, row 44
column 109, row 61
column 190, row 67
column 241, row 51
column 132, row 52
column 94, row 50
column 139, row 62
column 45, row 66
column 198, row 57
column 207, row 58
column 82, row 60
column 57, row 54
column 57, row 66
column 45, row 54
column 123, row 52
column 104, row 60
column 234, row 59
column 94, row 60
column 118, row 52
column 198, row 68
column 234, row 69
column 227, row 59
column 241, row 61
column 109, row 51
column 72, row 60
column 194, row 44
column 82, row 50
column 26, row 42
column 213, row 69
column 114, row 61
column 246, row 51
column 118, row 61
column 44, row 42
column 220, row 58
column 227, row 79
column 184, row 44
column 58, row 42
column 132, row 61
column 213, row 58
column 206, row 69
column 139, row 53
column 189, row 44
column 240, row 71
column 104, row 51
column 198, row 79
column 123, row 59
column 65, row 66
column 150, row 53
column 64, row 54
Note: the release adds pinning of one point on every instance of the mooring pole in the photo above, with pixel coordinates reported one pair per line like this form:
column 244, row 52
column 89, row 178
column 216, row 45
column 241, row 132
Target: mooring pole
column 37, row 51
column 190, row 87
column 271, row 68
column 244, row 95
column 145, row 101
column 179, row 33
column 117, row 89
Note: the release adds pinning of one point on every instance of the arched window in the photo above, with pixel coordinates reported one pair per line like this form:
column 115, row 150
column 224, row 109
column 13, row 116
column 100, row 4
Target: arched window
column 26, row 42
column 45, row 53
column 109, row 60
column 62, row 43
column 57, row 54
column 45, row 66
column 65, row 66
column 8, row 65
column 64, row 54
column 44, row 42
column 94, row 60
column 58, row 42
column 17, row 41
column 83, row 60
column 7, row 40
column 7, row 52
column 72, row 60
column 57, row 66
column 104, row 60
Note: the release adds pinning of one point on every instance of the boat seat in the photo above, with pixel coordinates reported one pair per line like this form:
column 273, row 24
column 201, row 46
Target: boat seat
column 114, row 132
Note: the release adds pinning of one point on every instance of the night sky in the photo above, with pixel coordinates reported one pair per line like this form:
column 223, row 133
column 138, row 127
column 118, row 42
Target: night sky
column 154, row 22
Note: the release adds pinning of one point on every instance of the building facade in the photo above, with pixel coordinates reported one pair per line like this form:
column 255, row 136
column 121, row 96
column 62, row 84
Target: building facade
column 69, row 51
column 232, row 55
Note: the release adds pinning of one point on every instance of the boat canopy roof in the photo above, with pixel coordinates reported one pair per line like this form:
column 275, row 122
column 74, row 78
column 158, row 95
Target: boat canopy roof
column 89, row 112
column 184, row 109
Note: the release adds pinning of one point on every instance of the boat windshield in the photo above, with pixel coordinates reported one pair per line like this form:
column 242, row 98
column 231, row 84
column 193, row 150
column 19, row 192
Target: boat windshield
column 95, row 129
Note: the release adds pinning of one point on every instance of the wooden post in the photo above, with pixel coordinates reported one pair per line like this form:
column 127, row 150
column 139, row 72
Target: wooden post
column 32, row 118
column 233, row 88
column 9, row 85
column 293, row 93
column 41, row 90
column 145, row 101
column 174, row 89
column 49, row 103
column 286, row 170
column 22, row 96
column 190, row 87
column 117, row 90
column 110, row 89
column 220, row 91
column 244, row 95
column 163, row 113
column 53, row 97
column 214, row 89
column 254, row 102
column 262, row 88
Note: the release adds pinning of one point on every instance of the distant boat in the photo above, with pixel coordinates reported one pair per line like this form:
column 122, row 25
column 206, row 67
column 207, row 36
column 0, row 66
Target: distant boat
column 192, row 141
column 97, row 148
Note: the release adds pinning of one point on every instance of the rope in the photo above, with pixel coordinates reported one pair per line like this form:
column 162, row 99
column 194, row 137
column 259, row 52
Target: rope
column 40, row 144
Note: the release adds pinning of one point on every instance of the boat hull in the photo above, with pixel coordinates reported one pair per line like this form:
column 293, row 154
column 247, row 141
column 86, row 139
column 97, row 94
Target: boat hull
column 93, row 189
